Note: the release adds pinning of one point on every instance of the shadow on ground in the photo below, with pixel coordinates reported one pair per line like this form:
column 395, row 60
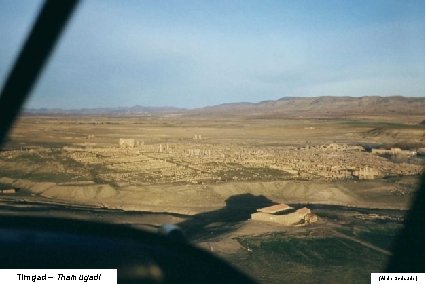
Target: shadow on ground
column 212, row 224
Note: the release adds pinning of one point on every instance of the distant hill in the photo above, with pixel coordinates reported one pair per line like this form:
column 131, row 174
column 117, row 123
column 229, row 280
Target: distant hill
column 321, row 107
column 104, row 111
column 284, row 107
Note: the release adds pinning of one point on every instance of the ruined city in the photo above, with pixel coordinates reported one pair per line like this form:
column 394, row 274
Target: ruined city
column 132, row 162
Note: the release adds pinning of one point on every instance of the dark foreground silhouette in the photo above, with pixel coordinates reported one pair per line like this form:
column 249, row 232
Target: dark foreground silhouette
column 214, row 223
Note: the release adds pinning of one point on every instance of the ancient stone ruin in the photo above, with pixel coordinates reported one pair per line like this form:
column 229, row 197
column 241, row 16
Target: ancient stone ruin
column 366, row 173
column 8, row 190
column 126, row 143
column 393, row 151
column 290, row 217
column 274, row 209
column 129, row 143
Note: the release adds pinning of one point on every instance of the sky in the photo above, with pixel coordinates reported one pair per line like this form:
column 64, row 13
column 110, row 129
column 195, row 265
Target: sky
column 198, row 53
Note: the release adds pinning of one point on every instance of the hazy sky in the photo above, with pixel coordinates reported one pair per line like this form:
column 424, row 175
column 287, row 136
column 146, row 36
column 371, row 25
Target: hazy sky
column 197, row 53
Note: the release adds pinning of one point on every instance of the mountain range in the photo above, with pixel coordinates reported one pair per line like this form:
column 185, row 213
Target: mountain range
column 284, row 107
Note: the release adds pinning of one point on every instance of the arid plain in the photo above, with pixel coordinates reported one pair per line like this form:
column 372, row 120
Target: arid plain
column 208, row 171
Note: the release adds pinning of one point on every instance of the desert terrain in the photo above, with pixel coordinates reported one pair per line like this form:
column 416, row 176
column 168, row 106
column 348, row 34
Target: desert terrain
column 354, row 162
